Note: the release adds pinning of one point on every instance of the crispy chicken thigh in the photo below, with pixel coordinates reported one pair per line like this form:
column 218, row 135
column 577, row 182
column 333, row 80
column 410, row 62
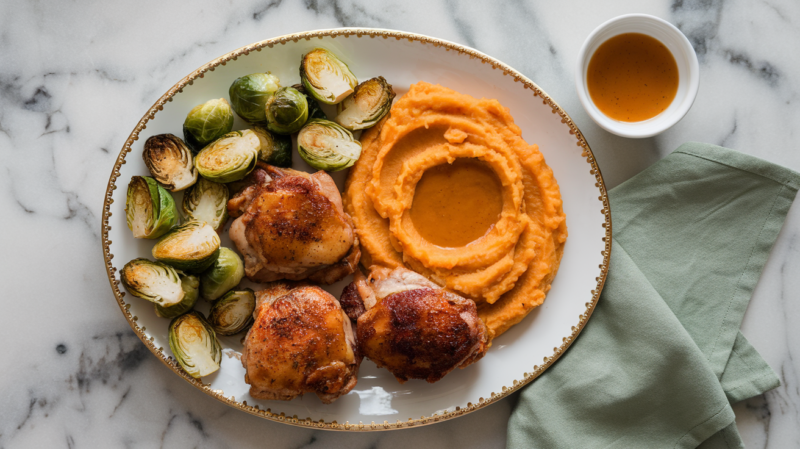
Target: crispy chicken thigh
column 291, row 225
column 301, row 342
column 411, row 326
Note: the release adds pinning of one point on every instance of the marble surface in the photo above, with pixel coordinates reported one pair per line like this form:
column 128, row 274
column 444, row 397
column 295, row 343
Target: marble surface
column 75, row 77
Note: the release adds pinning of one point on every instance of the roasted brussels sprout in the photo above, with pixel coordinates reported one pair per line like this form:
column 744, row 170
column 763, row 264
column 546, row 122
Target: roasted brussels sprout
column 226, row 273
column 276, row 149
column 325, row 145
column 194, row 344
column 191, row 291
column 314, row 111
column 371, row 100
column 326, row 77
column 153, row 281
column 250, row 93
column 287, row 111
column 207, row 201
column 149, row 209
column 229, row 158
column 191, row 247
column 233, row 312
column 170, row 161
column 207, row 122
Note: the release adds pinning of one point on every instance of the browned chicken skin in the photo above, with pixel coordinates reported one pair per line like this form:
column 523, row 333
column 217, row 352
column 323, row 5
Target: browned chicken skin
column 291, row 225
column 414, row 328
column 301, row 342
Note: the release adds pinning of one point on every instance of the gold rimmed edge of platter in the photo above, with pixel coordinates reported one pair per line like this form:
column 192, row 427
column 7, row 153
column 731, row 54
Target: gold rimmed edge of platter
column 308, row 422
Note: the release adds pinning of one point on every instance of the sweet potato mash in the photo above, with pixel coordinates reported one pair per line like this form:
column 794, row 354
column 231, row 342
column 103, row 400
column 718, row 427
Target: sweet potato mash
column 446, row 144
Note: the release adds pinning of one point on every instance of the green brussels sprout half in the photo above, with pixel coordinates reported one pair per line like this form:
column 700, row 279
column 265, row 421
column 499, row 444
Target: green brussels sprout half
column 371, row 100
column 229, row 158
column 153, row 281
column 194, row 344
column 169, row 161
column 207, row 201
column 225, row 274
column 149, row 209
column 276, row 149
column 207, row 122
column 287, row 111
column 191, row 291
column 326, row 77
column 314, row 111
column 250, row 93
column 233, row 312
column 326, row 145
column 191, row 247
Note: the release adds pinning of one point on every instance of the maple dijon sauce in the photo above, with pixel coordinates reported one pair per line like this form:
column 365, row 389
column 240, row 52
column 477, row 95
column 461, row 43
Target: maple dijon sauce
column 632, row 77
column 455, row 204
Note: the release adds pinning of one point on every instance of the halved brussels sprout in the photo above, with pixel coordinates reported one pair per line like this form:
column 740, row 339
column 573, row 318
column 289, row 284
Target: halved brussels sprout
column 207, row 201
column 194, row 344
column 233, row 312
column 207, row 122
column 149, row 209
column 229, row 158
column 153, row 281
column 314, row 111
column 250, row 93
column 287, row 111
column 191, row 291
column 170, row 161
column 192, row 247
column 326, row 145
column 226, row 273
column 371, row 100
column 326, row 77
column 275, row 149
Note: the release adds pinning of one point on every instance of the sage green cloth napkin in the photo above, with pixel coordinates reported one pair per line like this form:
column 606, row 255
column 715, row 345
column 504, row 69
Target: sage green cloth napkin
column 661, row 360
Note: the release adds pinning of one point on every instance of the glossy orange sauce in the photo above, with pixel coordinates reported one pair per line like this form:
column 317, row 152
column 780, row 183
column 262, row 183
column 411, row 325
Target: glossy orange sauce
column 632, row 77
column 455, row 204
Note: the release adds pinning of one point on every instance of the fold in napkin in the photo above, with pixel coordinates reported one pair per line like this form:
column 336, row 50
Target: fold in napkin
column 661, row 360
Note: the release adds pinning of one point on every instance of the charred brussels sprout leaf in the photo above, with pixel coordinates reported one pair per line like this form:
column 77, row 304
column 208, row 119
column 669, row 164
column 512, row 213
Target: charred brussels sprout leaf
column 191, row 291
column 149, row 208
column 326, row 77
column 153, row 281
column 225, row 274
column 192, row 247
column 249, row 95
column 314, row 111
column 371, row 100
column 229, row 158
column 233, row 312
column 170, row 161
column 207, row 201
column 194, row 344
column 207, row 122
column 287, row 111
column 326, row 145
column 276, row 149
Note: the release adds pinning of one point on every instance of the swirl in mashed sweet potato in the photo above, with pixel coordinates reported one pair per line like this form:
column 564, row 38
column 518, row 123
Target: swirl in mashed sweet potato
column 508, row 270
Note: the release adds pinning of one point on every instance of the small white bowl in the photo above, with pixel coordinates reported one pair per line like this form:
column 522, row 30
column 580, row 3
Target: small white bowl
column 678, row 45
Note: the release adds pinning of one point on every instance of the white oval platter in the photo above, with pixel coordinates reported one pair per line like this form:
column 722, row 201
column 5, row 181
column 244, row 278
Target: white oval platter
column 379, row 402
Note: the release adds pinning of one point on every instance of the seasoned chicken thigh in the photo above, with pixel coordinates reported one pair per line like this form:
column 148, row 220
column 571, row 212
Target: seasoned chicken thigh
column 414, row 328
column 301, row 342
column 291, row 225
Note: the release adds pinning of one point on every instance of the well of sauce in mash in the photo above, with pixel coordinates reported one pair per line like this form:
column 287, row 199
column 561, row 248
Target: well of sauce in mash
column 632, row 77
column 455, row 204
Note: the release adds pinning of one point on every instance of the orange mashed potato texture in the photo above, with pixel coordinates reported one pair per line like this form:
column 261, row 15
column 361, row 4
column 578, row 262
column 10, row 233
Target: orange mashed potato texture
column 508, row 270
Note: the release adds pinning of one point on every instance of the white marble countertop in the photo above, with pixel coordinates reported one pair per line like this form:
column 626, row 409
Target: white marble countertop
column 75, row 77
